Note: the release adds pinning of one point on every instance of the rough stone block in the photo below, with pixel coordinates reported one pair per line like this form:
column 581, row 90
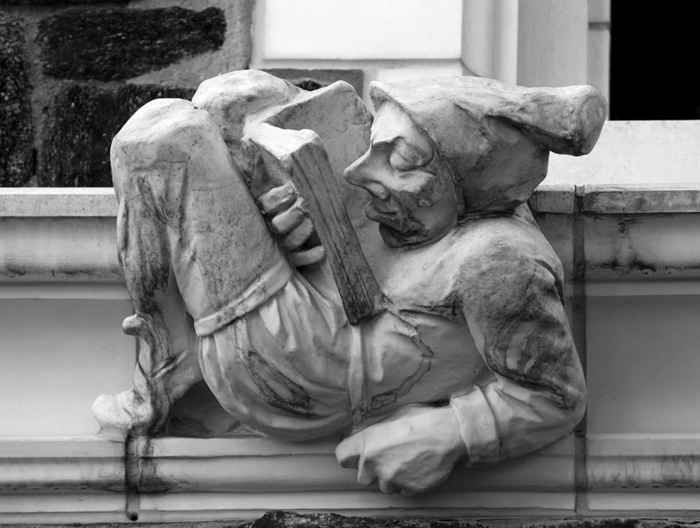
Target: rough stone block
column 314, row 79
column 81, row 121
column 235, row 54
column 284, row 519
column 117, row 44
column 16, row 143
column 47, row 2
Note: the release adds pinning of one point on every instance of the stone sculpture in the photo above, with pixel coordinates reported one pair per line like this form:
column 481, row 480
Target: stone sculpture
column 439, row 337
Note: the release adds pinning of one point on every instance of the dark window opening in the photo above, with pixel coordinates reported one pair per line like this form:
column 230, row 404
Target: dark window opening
column 654, row 61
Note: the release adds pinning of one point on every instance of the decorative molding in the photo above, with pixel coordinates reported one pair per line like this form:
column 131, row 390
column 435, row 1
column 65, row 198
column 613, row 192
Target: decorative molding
column 68, row 479
column 650, row 473
column 641, row 199
column 637, row 288
column 241, row 478
column 61, row 237
column 107, row 291
column 551, row 198
column 58, row 249
column 42, row 202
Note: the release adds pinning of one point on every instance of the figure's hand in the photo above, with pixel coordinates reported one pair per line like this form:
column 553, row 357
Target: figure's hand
column 290, row 222
column 412, row 451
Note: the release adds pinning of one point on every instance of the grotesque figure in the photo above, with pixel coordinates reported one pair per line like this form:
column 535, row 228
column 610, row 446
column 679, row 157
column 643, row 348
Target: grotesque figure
column 468, row 358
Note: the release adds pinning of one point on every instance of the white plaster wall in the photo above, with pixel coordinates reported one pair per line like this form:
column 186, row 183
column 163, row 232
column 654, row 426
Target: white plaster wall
column 389, row 40
column 58, row 355
column 362, row 29
column 529, row 42
column 62, row 302
column 643, row 363
column 62, row 346
column 635, row 152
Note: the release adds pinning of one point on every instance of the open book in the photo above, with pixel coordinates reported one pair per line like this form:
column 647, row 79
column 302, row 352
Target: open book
column 291, row 145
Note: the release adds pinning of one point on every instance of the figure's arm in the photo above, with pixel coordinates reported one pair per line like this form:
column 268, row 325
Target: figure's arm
column 532, row 394
column 535, row 390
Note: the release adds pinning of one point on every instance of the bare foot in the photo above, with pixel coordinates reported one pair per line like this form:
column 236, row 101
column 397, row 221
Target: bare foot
column 122, row 414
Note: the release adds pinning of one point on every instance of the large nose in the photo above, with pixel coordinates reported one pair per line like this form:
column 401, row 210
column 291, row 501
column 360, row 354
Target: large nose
column 368, row 174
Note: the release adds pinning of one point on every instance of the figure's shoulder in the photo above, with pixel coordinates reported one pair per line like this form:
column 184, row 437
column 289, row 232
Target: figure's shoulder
column 495, row 252
column 500, row 234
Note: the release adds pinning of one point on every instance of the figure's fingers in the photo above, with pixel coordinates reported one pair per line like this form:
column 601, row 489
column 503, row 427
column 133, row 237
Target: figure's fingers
column 287, row 220
column 298, row 236
column 348, row 451
column 366, row 475
column 277, row 198
column 389, row 487
column 306, row 257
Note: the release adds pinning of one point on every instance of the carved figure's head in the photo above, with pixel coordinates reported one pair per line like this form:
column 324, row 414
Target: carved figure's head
column 413, row 196
column 489, row 140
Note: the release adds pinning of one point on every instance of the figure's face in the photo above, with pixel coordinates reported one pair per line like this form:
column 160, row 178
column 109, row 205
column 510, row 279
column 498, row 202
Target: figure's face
column 413, row 195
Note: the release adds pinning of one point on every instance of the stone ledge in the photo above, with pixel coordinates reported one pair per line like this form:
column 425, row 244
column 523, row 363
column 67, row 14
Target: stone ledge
column 630, row 233
column 641, row 199
column 58, row 250
column 555, row 198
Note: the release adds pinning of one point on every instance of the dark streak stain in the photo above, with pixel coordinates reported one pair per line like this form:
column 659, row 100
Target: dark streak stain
column 14, row 270
column 535, row 336
column 148, row 479
column 286, row 394
column 645, row 267
column 623, row 225
column 448, row 309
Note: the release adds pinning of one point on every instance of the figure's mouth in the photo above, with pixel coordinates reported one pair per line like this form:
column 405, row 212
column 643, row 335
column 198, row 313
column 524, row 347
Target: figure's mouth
column 396, row 227
column 383, row 213
column 381, row 208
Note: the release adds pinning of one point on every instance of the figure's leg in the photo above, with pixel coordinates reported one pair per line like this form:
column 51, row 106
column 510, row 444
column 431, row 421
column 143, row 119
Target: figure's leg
column 195, row 251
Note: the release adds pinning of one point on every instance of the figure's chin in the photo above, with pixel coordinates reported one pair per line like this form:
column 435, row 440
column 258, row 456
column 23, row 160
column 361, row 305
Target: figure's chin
column 396, row 239
column 397, row 229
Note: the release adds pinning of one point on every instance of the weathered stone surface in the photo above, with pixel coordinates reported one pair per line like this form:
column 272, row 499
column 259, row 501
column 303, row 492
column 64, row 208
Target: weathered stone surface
column 235, row 54
column 450, row 164
column 81, row 121
column 115, row 44
column 16, row 146
column 47, row 2
column 314, row 79
column 283, row 519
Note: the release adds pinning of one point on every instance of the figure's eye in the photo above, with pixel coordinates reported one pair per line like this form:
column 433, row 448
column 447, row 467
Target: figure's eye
column 398, row 162
column 404, row 158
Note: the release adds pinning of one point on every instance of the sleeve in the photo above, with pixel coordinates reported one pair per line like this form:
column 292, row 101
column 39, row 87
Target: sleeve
column 534, row 391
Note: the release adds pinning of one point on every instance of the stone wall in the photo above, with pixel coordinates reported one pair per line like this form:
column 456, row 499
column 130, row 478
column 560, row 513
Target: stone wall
column 73, row 72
